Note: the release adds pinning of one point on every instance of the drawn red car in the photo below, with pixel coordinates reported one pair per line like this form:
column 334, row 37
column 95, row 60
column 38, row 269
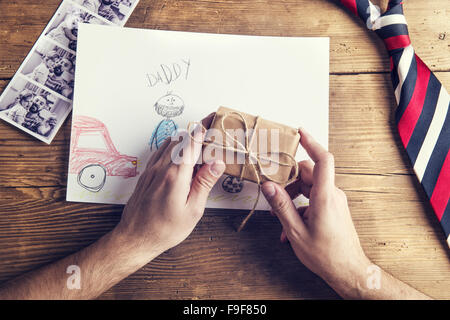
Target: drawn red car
column 94, row 156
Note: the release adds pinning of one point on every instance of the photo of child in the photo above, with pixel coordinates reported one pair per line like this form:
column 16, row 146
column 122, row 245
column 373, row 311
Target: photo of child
column 64, row 28
column 29, row 106
column 112, row 10
column 18, row 110
column 53, row 67
column 41, row 72
column 61, row 78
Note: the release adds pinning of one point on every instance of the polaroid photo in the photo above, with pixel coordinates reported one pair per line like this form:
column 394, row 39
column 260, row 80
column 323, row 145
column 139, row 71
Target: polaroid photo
column 31, row 107
column 51, row 66
column 116, row 11
column 64, row 26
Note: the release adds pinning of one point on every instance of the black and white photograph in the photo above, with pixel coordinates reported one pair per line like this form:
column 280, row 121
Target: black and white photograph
column 52, row 66
column 33, row 109
column 64, row 27
column 112, row 10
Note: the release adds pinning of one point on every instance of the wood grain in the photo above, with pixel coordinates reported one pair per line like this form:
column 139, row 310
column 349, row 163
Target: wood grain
column 396, row 225
column 353, row 49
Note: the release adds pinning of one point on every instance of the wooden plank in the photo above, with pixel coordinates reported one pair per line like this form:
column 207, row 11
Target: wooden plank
column 37, row 227
column 396, row 225
column 362, row 136
column 352, row 49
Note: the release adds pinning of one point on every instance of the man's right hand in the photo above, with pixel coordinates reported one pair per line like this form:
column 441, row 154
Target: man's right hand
column 322, row 235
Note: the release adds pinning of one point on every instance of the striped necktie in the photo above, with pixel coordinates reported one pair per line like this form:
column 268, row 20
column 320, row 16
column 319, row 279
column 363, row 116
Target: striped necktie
column 422, row 115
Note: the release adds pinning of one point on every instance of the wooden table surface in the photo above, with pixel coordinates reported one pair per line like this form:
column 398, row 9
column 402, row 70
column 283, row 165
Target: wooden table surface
column 397, row 227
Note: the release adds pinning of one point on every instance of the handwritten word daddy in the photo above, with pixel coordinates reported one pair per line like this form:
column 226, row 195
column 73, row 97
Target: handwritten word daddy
column 168, row 73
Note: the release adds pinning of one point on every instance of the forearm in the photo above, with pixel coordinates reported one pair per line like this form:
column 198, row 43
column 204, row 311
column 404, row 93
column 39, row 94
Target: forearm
column 100, row 266
column 371, row 282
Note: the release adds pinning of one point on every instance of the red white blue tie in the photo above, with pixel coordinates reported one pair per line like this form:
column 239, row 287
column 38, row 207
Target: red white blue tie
column 422, row 116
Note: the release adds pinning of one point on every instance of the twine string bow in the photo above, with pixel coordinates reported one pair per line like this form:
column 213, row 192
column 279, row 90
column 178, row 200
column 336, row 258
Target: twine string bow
column 253, row 159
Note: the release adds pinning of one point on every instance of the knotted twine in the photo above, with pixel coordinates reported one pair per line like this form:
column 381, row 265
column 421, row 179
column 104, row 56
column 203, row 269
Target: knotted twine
column 251, row 157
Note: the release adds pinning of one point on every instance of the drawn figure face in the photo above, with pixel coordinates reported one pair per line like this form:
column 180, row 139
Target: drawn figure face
column 37, row 104
column 169, row 106
column 107, row 2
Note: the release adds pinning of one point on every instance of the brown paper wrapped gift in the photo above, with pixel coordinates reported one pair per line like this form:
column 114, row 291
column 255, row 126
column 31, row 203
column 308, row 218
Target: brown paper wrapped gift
column 254, row 149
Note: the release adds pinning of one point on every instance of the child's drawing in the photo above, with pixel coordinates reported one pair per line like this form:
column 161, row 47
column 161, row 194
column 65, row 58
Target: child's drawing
column 92, row 177
column 232, row 184
column 94, row 156
column 169, row 106
column 175, row 78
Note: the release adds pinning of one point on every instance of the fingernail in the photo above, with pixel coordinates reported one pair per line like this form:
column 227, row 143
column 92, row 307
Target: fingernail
column 269, row 190
column 217, row 168
column 302, row 130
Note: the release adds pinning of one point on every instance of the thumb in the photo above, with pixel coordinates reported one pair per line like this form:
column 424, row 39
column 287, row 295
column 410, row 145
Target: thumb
column 204, row 181
column 283, row 207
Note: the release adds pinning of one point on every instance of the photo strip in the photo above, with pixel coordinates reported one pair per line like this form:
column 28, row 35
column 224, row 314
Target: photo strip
column 30, row 107
column 39, row 97
column 51, row 66
column 114, row 11
column 64, row 26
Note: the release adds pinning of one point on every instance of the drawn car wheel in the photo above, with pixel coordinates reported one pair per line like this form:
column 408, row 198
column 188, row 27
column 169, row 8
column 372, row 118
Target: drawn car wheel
column 92, row 177
column 232, row 184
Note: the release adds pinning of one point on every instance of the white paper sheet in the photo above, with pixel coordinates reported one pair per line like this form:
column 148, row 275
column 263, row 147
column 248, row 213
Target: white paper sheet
column 121, row 73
